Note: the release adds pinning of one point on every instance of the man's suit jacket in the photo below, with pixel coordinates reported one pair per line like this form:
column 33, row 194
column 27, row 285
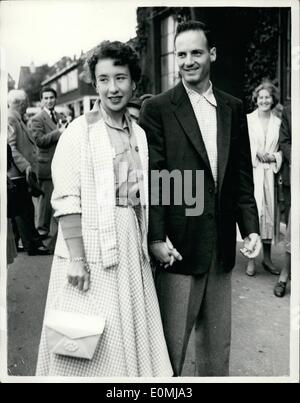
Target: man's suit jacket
column 22, row 143
column 46, row 136
column 175, row 142
column 285, row 143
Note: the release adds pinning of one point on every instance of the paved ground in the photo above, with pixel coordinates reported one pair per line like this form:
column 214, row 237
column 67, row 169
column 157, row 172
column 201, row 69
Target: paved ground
column 260, row 328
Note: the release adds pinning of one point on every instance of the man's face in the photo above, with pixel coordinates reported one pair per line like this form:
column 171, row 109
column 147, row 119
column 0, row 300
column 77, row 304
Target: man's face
column 114, row 85
column 194, row 57
column 48, row 100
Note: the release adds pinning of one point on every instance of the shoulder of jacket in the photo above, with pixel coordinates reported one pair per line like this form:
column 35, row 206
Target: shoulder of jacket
column 228, row 97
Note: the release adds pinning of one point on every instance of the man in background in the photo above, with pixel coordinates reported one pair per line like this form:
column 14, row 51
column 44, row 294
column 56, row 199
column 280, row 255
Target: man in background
column 23, row 170
column 47, row 129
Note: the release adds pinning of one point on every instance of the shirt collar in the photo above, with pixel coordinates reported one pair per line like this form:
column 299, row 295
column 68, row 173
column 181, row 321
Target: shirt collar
column 48, row 111
column 208, row 94
column 107, row 119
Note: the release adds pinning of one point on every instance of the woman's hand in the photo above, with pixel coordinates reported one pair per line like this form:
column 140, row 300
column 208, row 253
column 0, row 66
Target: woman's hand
column 79, row 275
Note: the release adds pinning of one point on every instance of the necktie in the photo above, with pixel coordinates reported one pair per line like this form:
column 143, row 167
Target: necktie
column 53, row 117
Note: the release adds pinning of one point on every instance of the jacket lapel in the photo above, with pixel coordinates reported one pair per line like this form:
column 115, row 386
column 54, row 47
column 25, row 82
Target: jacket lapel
column 186, row 117
column 223, row 135
column 49, row 121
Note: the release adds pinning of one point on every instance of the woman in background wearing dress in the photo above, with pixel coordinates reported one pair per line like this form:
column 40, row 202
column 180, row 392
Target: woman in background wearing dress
column 266, row 159
column 100, row 198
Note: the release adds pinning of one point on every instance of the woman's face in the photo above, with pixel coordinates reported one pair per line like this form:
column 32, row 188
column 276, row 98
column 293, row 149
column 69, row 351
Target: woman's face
column 264, row 100
column 114, row 86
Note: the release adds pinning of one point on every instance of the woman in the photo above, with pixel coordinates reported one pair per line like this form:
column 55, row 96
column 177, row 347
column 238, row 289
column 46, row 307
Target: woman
column 100, row 198
column 266, row 159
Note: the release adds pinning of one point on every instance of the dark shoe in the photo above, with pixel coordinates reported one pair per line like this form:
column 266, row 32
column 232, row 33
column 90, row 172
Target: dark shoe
column 279, row 289
column 39, row 250
column 44, row 236
column 274, row 271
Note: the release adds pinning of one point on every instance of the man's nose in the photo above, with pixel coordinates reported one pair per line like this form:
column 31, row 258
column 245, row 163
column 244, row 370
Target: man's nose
column 189, row 61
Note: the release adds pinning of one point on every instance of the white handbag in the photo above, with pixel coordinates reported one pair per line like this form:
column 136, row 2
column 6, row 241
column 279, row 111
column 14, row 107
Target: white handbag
column 73, row 334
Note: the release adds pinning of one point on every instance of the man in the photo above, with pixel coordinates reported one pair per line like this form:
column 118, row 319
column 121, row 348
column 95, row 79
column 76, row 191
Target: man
column 47, row 130
column 190, row 128
column 24, row 155
column 285, row 142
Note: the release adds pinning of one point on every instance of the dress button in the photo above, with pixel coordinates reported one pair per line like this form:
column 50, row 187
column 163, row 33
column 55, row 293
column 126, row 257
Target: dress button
column 211, row 190
column 210, row 216
column 136, row 149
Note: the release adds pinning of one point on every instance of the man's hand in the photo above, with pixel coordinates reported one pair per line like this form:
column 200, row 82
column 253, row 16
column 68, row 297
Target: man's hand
column 78, row 276
column 261, row 157
column 252, row 246
column 165, row 253
column 62, row 127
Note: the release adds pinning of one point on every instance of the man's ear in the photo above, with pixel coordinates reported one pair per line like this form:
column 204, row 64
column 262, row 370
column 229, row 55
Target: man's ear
column 213, row 54
column 134, row 86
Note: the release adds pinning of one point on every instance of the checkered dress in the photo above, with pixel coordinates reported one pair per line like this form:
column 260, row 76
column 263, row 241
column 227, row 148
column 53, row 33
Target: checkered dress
column 122, row 287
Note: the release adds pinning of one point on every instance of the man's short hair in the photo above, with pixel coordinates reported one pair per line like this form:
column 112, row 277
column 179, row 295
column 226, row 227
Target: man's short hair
column 196, row 26
column 272, row 90
column 48, row 89
column 121, row 53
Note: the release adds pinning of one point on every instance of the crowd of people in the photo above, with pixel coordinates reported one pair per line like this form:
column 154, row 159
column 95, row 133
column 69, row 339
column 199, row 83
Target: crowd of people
column 138, row 265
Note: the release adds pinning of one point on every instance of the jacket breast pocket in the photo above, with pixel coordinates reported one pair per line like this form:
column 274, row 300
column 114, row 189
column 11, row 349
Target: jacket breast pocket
column 91, row 241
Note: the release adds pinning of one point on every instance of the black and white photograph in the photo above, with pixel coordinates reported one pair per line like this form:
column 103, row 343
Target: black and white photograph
column 149, row 193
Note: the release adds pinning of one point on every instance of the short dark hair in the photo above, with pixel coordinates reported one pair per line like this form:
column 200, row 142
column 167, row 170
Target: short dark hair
column 48, row 89
column 121, row 53
column 272, row 90
column 196, row 26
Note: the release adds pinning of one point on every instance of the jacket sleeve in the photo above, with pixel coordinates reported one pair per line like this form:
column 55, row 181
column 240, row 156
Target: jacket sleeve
column 43, row 139
column 285, row 137
column 247, row 210
column 66, row 174
column 150, row 121
column 12, row 135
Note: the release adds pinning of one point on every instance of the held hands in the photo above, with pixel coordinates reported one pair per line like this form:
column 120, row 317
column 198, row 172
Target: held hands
column 79, row 275
column 265, row 157
column 165, row 253
column 252, row 246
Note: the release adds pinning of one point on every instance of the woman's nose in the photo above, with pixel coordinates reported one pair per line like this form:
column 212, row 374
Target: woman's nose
column 113, row 86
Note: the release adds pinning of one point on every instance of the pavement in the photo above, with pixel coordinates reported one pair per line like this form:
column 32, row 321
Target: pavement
column 260, row 321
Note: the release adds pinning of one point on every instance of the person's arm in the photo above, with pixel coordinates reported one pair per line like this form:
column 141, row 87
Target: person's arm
column 66, row 201
column 285, row 142
column 78, row 272
column 150, row 121
column 247, row 210
column 12, row 135
column 43, row 139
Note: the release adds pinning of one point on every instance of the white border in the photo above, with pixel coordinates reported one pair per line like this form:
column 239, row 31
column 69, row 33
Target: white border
column 294, row 330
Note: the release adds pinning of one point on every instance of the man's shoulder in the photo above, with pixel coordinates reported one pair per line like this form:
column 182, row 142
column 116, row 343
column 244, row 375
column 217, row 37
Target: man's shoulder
column 162, row 98
column 227, row 97
column 38, row 116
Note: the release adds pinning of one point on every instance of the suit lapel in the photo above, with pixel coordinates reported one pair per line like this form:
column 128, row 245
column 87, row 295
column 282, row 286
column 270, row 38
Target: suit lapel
column 223, row 135
column 186, row 117
column 49, row 121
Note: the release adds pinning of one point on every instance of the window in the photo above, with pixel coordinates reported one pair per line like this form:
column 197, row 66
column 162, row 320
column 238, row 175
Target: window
column 169, row 69
column 69, row 81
